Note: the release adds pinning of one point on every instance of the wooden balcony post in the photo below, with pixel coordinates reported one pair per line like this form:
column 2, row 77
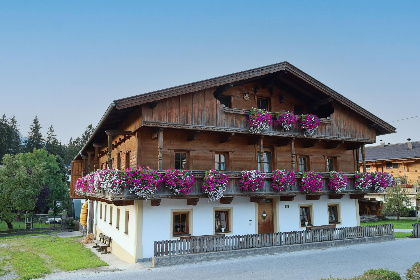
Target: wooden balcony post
column 89, row 159
column 96, row 159
column 160, row 147
column 261, row 158
column 357, row 160
column 84, row 158
column 109, row 150
column 363, row 157
column 292, row 144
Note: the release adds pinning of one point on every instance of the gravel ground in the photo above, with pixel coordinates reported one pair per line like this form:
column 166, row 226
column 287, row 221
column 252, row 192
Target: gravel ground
column 349, row 261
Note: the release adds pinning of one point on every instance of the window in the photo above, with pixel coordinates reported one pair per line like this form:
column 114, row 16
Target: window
column 390, row 165
column 105, row 213
column 263, row 103
column 110, row 215
column 117, row 224
column 180, row 223
column 303, row 164
column 181, row 161
column 264, row 161
column 305, row 216
column 118, row 161
column 331, row 164
column 127, row 219
column 221, row 220
column 333, row 217
column 220, row 161
column 367, row 167
column 100, row 211
column 127, row 160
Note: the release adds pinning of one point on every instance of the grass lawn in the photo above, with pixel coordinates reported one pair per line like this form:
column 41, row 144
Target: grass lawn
column 33, row 257
column 402, row 234
column 21, row 225
column 401, row 224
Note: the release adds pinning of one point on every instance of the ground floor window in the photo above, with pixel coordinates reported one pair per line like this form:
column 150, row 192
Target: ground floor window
column 181, row 223
column 127, row 219
column 333, row 214
column 305, row 215
column 221, row 220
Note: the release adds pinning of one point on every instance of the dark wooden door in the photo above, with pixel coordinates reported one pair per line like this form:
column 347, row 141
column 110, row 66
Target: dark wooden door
column 265, row 217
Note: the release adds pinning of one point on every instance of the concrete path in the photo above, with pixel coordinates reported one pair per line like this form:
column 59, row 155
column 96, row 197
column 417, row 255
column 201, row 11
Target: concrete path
column 348, row 261
column 402, row 230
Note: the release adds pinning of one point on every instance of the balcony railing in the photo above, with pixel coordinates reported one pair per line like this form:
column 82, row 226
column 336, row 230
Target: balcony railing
column 233, row 188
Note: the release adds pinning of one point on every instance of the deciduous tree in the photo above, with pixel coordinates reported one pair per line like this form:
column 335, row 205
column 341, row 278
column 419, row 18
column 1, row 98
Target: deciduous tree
column 396, row 201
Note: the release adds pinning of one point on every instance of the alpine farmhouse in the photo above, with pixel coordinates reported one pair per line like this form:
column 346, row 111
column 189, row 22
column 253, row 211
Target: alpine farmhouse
column 205, row 125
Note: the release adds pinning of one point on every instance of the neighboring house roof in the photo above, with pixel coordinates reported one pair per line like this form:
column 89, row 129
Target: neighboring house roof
column 118, row 110
column 393, row 151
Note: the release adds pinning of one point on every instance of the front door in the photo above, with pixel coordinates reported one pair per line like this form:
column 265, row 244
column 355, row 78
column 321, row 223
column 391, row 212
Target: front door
column 265, row 216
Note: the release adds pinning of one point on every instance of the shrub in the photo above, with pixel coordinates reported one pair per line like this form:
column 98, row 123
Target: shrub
column 414, row 272
column 381, row 274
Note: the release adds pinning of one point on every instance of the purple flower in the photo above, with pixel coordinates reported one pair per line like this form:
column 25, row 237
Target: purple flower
column 382, row 180
column 251, row 180
column 259, row 120
column 286, row 119
column 214, row 184
column 309, row 123
column 179, row 181
column 283, row 179
column 363, row 181
column 338, row 181
column 311, row 182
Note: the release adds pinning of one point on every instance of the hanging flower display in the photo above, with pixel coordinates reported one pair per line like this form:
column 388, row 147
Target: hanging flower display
column 251, row 180
column 309, row 123
column 143, row 182
column 283, row 179
column 259, row 120
column 214, row 184
column 362, row 181
column 311, row 182
column 179, row 181
column 382, row 180
column 81, row 186
column 286, row 119
column 338, row 181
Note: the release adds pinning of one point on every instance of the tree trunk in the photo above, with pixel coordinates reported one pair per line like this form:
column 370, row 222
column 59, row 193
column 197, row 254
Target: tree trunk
column 9, row 225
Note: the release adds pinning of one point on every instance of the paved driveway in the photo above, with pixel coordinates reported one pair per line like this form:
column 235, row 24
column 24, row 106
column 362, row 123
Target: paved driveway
column 347, row 261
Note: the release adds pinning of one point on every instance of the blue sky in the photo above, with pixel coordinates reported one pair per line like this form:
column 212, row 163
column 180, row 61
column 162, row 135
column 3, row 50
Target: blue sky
column 66, row 61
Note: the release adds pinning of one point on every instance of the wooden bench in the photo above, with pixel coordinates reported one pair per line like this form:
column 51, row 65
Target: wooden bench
column 320, row 227
column 103, row 243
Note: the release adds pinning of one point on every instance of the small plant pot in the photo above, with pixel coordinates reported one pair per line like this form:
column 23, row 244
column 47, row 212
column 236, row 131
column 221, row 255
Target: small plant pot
column 223, row 229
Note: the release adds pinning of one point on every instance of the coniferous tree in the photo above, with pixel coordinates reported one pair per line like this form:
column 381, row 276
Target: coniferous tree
column 34, row 140
column 14, row 141
column 77, row 144
column 52, row 145
column 9, row 136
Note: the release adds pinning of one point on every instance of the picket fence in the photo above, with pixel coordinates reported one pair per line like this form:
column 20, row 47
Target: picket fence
column 416, row 230
column 204, row 244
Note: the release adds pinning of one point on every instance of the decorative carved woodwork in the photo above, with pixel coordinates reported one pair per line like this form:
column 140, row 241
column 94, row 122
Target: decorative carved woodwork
column 335, row 196
column 357, row 195
column 287, row 197
column 226, row 200
column 160, row 148
column 315, row 105
column 192, row 201
column 333, row 144
column 155, row 202
column 309, row 143
column 226, row 137
column 123, row 202
column 257, row 199
column 313, row 196
column 192, row 136
column 284, row 142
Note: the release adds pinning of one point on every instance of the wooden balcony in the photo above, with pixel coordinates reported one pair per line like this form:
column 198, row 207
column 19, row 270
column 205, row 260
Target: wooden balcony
column 234, row 191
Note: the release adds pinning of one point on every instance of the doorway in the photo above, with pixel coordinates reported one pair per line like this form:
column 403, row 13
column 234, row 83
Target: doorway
column 265, row 216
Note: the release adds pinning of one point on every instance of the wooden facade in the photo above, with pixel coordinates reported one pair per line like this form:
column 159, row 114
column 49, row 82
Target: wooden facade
column 207, row 119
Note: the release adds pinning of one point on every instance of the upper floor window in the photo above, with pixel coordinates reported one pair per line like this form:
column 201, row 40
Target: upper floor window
column 391, row 165
column 331, row 164
column 118, row 161
column 263, row 103
column 220, row 161
column 303, row 163
column 180, row 160
column 127, row 159
column 264, row 161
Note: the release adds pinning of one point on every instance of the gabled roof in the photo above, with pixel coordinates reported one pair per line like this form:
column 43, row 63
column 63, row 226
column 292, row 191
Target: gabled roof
column 393, row 152
column 381, row 126
column 118, row 110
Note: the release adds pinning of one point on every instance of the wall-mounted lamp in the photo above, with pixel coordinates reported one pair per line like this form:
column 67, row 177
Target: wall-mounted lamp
column 246, row 96
column 264, row 215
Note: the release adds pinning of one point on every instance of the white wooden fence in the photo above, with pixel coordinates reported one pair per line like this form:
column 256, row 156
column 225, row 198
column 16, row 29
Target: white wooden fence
column 204, row 244
column 416, row 230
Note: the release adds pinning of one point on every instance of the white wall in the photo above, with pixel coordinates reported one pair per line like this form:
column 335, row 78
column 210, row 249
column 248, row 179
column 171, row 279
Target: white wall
column 157, row 219
column 289, row 217
column 118, row 235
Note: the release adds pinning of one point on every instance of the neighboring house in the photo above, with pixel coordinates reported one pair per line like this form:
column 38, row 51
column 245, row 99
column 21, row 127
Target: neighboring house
column 402, row 160
column 204, row 125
